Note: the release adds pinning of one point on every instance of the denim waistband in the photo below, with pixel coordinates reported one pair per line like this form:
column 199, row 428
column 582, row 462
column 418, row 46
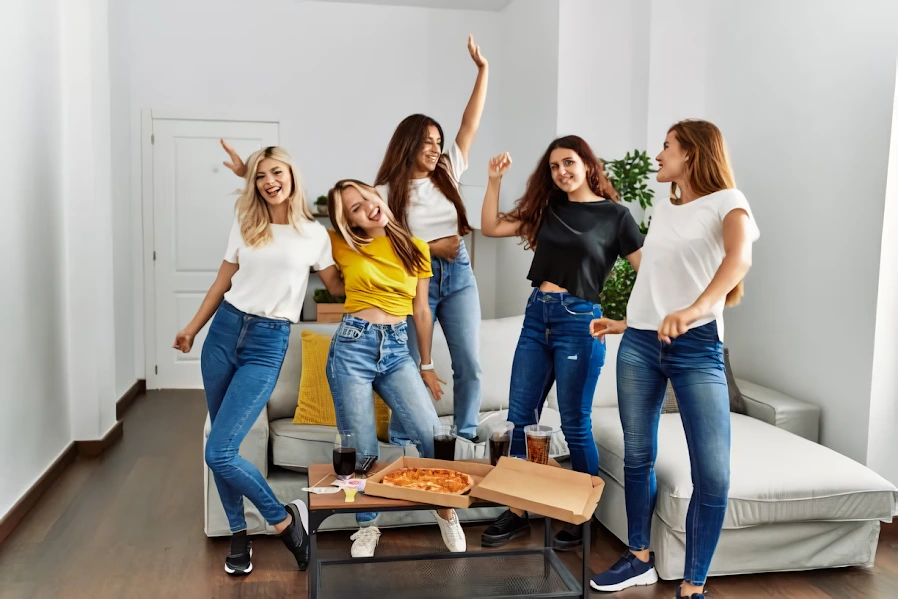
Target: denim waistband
column 228, row 307
column 364, row 324
column 548, row 297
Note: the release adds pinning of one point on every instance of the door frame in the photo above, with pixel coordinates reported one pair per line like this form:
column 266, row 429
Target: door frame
column 147, row 201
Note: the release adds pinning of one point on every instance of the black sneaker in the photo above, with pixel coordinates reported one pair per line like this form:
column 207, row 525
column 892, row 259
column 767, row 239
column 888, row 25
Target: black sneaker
column 238, row 562
column 296, row 536
column 571, row 536
column 507, row 527
column 568, row 538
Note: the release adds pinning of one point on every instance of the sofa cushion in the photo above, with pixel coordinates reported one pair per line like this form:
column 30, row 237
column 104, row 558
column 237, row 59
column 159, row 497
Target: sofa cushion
column 283, row 399
column 297, row 446
column 775, row 476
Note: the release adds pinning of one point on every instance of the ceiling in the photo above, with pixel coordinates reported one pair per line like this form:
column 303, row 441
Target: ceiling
column 490, row 5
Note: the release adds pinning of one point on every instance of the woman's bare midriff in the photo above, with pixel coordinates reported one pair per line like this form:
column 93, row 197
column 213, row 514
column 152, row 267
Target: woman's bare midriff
column 378, row 316
column 551, row 288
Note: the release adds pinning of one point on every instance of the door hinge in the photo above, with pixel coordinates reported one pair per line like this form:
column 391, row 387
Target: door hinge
column 152, row 138
column 157, row 369
column 154, row 255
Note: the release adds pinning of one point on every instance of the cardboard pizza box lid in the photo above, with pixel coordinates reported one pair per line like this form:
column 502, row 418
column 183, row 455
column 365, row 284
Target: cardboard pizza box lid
column 541, row 489
column 478, row 471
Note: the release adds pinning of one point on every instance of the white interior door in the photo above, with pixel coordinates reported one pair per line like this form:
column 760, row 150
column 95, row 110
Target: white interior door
column 193, row 209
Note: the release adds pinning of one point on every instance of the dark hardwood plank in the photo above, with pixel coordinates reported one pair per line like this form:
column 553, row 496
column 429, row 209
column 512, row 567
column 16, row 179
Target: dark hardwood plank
column 130, row 524
column 128, row 399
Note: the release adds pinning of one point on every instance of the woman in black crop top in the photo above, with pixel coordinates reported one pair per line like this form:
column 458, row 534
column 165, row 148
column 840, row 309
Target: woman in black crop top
column 570, row 217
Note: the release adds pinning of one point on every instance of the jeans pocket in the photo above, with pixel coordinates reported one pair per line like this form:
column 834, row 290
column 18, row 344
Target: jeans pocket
column 400, row 333
column 349, row 333
column 578, row 307
column 462, row 258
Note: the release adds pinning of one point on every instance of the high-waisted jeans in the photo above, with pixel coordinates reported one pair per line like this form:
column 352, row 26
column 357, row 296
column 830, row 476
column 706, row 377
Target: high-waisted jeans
column 555, row 347
column 694, row 365
column 240, row 363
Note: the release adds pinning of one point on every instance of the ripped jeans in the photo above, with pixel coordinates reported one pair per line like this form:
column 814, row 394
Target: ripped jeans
column 555, row 347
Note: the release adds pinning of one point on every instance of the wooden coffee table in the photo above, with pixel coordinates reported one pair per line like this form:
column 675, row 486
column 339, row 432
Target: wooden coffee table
column 486, row 574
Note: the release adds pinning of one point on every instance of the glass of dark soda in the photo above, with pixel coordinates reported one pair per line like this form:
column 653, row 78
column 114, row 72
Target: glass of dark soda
column 444, row 436
column 500, row 442
column 344, row 455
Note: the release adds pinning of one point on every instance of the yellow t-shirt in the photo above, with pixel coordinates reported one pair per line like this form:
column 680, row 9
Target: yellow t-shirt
column 376, row 278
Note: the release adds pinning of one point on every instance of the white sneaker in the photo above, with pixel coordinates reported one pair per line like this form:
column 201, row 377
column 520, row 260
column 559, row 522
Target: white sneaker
column 452, row 532
column 364, row 541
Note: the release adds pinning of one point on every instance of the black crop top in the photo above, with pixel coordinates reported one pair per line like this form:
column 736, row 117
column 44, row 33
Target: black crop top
column 578, row 243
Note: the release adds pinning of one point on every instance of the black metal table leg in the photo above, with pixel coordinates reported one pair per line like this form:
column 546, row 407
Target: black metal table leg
column 587, row 542
column 315, row 520
column 548, row 542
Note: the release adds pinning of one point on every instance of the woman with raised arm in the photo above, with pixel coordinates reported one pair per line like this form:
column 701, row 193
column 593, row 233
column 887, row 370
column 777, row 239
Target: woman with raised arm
column 257, row 294
column 697, row 251
column 570, row 217
column 419, row 179
column 386, row 273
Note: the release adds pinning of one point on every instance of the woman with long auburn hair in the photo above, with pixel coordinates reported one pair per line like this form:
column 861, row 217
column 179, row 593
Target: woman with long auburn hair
column 697, row 251
column 419, row 179
column 386, row 274
column 257, row 294
column 569, row 216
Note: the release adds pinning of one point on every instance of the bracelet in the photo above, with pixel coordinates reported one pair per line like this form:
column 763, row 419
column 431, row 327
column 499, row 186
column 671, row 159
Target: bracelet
column 425, row 367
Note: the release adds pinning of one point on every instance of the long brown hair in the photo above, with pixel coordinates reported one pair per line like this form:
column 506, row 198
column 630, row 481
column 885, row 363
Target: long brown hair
column 541, row 189
column 400, row 161
column 412, row 258
column 253, row 212
column 707, row 169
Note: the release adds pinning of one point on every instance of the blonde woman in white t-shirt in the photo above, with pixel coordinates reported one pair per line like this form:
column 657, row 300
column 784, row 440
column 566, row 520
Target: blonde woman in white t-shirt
column 696, row 253
column 257, row 294
column 419, row 179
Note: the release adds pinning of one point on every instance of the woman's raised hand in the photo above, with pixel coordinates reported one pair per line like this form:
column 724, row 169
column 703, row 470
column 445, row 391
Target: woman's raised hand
column 236, row 164
column 499, row 165
column 474, row 49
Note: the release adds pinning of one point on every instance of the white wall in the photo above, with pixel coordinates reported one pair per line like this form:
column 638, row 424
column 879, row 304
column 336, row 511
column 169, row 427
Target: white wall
column 804, row 92
column 337, row 77
column 882, row 445
column 35, row 427
column 528, row 93
column 127, row 321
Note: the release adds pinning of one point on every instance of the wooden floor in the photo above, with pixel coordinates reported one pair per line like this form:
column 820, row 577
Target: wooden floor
column 130, row 524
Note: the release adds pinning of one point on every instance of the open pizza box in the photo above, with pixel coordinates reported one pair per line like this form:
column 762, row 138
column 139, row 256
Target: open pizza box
column 541, row 489
column 373, row 486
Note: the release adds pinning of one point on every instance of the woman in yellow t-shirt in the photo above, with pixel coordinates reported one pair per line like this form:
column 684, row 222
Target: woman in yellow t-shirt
column 387, row 274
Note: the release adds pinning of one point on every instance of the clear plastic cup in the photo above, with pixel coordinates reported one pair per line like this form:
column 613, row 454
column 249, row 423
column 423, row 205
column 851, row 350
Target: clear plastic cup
column 538, row 438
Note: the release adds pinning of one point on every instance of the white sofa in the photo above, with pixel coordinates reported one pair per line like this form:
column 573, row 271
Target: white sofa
column 793, row 504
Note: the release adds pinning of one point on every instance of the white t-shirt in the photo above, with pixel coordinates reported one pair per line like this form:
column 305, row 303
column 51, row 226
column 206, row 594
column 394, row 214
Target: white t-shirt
column 430, row 213
column 272, row 279
column 682, row 252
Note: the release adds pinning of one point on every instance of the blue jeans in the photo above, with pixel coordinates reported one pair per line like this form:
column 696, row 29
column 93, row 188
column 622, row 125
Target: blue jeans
column 694, row 364
column 455, row 302
column 365, row 358
column 241, row 361
column 555, row 346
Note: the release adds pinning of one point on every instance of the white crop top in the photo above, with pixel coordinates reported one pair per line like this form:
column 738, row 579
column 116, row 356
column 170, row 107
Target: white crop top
column 682, row 252
column 430, row 213
column 272, row 279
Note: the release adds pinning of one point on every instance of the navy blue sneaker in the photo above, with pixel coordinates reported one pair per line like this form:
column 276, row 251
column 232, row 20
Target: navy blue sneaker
column 692, row 596
column 629, row 571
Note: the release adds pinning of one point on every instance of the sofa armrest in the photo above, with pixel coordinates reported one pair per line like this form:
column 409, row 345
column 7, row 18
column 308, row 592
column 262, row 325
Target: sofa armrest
column 794, row 415
column 254, row 448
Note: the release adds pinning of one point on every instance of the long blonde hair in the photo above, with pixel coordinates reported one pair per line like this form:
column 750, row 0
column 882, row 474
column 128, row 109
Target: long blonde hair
column 252, row 209
column 412, row 258
column 707, row 169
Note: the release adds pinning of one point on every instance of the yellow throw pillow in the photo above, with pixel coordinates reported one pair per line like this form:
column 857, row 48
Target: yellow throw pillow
column 315, row 404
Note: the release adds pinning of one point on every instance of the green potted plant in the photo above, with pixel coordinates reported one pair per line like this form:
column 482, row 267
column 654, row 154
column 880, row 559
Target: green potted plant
column 330, row 308
column 629, row 176
column 321, row 205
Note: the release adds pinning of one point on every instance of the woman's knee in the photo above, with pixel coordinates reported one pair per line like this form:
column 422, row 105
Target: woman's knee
column 218, row 458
